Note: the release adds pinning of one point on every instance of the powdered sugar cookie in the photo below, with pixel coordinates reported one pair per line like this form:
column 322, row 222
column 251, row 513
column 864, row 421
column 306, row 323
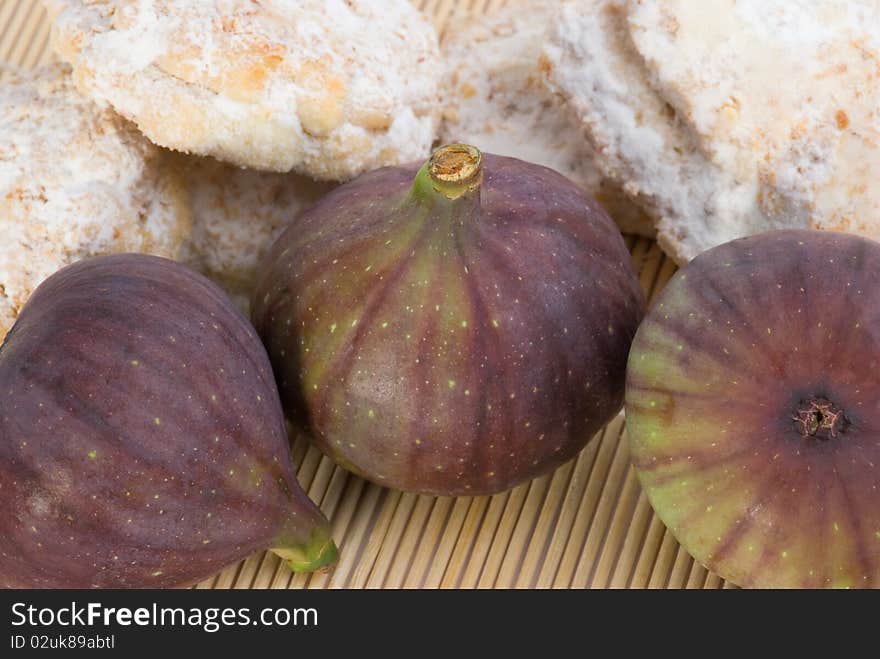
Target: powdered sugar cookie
column 75, row 181
column 592, row 63
column 329, row 88
column 784, row 95
column 237, row 215
column 729, row 118
column 494, row 97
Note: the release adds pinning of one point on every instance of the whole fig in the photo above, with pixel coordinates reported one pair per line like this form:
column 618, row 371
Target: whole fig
column 454, row 328
column 751, row 406
column 142, row 442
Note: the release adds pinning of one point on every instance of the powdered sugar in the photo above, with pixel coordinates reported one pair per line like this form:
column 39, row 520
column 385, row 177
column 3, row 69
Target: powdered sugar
column 729, row 118
column 495, row 97
column 75, row 181
column 330, row 88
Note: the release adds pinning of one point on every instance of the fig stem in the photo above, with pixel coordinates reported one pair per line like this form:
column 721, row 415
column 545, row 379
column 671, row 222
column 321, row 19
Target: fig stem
column 318, row 552
column 455, row 170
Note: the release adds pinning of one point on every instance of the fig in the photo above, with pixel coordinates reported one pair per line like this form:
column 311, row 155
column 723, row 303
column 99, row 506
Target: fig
column 752, row 401
column 142, row 441
column 450, row 328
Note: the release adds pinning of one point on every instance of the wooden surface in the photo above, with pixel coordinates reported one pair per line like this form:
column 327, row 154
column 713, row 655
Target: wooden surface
column 585, row 526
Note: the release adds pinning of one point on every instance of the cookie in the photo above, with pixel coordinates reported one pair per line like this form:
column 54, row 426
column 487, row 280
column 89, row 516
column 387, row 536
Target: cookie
column 75, row 181
column 329, row 88
column 237, row 215
column 494, row 97
column 727, row 121
column 784, row 95
column 641, row 144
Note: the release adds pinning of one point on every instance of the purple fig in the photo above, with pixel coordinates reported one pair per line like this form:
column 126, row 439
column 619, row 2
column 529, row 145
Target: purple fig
column 752, row 396
column 453, row 328
column 142, row 441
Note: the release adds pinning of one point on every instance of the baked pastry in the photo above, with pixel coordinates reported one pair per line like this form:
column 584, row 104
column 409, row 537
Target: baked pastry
column 494, row 97
column 237, row 215
column 325, row 87
column 75, row 181
column 640, row 142
column 782, row 94
column 728, row 120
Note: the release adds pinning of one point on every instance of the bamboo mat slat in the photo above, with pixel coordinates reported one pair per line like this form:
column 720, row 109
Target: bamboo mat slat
column 587, row 525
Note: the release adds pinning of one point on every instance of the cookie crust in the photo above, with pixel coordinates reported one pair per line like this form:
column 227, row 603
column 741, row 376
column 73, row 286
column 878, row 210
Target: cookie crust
column 329, row 88
column 76, row 181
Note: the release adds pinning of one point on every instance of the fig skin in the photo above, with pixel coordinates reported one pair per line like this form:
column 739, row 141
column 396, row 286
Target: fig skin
column 142, row 441
column 452, row 329
column 752, row 402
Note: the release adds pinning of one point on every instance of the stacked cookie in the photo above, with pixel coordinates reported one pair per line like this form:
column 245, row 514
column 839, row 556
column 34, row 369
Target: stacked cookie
column 302, row 93
column 327, row 88
column 714, row 120
column 698, row 125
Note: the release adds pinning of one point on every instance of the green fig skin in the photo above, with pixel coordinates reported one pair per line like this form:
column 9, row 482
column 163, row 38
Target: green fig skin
column 142, row 441
column 450, row 339
column 753, row 409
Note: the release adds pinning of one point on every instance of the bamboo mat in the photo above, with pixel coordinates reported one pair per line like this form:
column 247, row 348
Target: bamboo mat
column 587, row 525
